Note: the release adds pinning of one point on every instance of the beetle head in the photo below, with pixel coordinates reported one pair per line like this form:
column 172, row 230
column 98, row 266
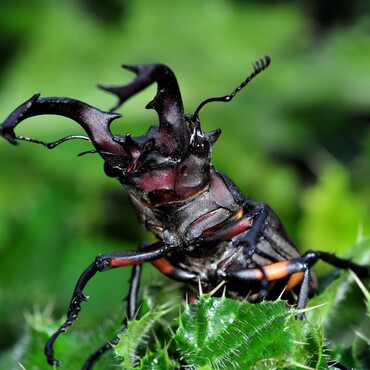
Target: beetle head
column 169, row 163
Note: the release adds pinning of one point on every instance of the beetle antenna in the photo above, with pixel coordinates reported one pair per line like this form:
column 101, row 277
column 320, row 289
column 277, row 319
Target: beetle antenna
column 53, row 144
column 259, row 66
column 94, row 151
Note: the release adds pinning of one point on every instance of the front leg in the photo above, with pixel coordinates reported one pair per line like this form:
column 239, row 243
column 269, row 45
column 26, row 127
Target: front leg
column 175, row 273
column 132, row 308
column 104, row 262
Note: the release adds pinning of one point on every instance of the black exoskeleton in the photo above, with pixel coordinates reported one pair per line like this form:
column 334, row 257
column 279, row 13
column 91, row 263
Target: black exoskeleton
column 207, row 231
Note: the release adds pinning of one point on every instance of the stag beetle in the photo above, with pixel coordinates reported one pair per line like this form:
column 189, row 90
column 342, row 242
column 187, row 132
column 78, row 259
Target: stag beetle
column 207, row 231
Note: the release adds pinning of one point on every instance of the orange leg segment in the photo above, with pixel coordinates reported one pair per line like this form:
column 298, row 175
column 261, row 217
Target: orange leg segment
column 176, row 273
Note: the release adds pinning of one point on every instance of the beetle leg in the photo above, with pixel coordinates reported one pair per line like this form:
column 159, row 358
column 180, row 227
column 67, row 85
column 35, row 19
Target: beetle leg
column 74, row 308
column 363, row 271
column 254, row 232
column 132, row 307
column 272, row 272
column 311, row 258
column 285, row 269
column 251, row 238
column 104, row 262
column 175, row 273
column 227, row 232
column 244, row 223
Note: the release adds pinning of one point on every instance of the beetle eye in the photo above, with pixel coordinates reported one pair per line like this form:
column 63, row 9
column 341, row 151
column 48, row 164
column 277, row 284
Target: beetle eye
column 199, row 145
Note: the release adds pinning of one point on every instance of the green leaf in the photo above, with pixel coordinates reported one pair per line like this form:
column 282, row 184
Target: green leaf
column 222, row 333
column 134, row 336
column 159, row 360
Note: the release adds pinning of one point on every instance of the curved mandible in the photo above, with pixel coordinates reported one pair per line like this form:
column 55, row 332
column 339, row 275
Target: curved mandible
column 94, row 121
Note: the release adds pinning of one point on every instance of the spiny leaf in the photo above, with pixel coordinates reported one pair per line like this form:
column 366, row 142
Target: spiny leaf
column 135, row 333
column 223, row 333
column 159, row 360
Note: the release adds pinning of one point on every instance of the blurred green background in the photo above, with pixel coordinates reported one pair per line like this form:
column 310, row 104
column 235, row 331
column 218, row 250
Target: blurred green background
column 297, row 138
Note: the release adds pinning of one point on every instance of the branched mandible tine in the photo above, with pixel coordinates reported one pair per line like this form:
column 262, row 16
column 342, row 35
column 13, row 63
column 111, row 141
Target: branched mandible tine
column 167, row 101
column 123, row 93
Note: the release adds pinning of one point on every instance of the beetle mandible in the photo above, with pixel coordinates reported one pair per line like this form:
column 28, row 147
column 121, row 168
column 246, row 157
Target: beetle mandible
column 207, row 231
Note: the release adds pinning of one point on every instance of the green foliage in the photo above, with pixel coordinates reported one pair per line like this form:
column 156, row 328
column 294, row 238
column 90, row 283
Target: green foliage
column 330, row 206
column 224, row 333
column 133, row 337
